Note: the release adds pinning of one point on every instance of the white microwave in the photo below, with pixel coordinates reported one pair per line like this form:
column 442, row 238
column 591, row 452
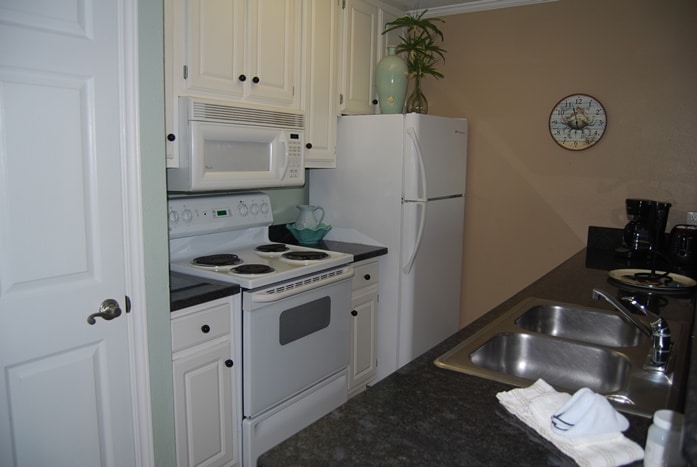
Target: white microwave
column 223, row 146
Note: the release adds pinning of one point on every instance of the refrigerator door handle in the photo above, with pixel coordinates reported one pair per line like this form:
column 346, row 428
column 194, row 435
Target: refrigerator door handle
column 419, row 235
column 422, row 172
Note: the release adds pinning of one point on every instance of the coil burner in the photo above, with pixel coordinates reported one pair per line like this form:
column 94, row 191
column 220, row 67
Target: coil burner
column 215, row 261
column 253, row 269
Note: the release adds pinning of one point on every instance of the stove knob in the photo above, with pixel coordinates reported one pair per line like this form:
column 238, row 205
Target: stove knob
column 243, row 209
column 254, row 209
column 173, row 217
column 187, row 215
column 265, row 208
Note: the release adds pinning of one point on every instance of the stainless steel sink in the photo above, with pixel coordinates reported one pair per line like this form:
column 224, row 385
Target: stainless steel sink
column 532, row 356
column 570, row 347
column 580, row 323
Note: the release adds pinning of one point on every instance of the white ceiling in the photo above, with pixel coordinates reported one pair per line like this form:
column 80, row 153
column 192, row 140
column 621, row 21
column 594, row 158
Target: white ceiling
column 452, row 7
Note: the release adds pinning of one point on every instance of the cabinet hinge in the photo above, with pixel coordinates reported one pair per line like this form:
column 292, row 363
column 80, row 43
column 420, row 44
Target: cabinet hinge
column 128, row 303
column 341, row 99
column 343, row 4
column 185, row 71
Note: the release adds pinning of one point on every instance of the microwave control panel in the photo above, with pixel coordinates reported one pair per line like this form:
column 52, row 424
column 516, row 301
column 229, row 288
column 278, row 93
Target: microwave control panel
column 295, row 169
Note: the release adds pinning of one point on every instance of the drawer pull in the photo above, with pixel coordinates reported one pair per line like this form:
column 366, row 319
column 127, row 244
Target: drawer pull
column 229, row 363
column 205, row 329
column 367, row 277
column 354, row 313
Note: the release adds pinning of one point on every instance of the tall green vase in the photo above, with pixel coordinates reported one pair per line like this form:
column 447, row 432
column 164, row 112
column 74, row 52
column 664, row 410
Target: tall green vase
column 391, row 81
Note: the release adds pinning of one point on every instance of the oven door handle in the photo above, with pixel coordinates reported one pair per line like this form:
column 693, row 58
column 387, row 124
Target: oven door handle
column 302, row 285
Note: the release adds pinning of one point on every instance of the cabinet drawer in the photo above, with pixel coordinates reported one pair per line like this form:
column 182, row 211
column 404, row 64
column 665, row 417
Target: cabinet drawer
column 366, row 275
column 200, row 326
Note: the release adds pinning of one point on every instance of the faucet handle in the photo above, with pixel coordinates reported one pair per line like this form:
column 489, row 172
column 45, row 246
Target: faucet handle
column 661, row 343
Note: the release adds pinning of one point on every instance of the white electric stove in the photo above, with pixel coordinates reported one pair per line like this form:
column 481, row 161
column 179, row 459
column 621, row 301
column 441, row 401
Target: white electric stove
column 295, row 317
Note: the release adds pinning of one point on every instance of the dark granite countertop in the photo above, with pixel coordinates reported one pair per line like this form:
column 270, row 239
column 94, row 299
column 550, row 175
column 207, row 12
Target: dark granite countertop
column 425, row 415
column 186, row 291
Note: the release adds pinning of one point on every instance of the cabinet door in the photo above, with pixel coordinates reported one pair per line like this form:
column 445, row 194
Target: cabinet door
column 215, row 46
column 274, row 51
column 360, row 30
column 320, row 82
column 204, row 411
column 363, row 365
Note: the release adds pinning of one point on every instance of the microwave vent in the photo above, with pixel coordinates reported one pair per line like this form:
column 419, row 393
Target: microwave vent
column 208, row 111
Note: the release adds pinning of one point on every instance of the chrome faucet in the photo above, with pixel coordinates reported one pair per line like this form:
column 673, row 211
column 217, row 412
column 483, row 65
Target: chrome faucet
column 658, row 330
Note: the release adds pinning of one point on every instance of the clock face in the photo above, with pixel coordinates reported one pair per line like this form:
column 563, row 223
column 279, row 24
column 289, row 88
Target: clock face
column 577, row 122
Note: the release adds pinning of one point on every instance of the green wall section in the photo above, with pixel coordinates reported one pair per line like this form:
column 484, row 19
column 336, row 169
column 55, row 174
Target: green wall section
column 284, row 202
column 151, row 69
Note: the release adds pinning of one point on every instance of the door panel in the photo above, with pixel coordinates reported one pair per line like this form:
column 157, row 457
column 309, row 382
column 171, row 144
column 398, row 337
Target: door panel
column 65, row 385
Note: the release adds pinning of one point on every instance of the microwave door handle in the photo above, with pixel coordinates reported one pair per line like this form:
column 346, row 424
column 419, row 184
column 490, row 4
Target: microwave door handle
column 283, row 141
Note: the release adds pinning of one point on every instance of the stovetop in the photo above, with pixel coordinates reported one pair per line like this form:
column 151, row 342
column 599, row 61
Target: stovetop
column 282, row 268
column 233, row 227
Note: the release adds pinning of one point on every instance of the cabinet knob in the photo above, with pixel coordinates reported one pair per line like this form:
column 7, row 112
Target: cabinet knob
column 229, row 363
column 375, row 102
column 367, row 277
column 205, row 329
column 354, row 313
column 255, row 80
column 308, row 145
column 242, row 78
column 171, row 137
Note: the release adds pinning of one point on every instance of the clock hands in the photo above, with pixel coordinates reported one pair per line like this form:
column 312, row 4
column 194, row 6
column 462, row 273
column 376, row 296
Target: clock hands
column 578, row 119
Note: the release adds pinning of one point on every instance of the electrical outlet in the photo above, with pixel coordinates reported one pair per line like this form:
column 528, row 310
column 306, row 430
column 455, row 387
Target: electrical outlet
column 692, row 217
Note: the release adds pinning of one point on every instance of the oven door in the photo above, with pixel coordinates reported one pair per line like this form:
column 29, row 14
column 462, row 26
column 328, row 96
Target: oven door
column 296, row 341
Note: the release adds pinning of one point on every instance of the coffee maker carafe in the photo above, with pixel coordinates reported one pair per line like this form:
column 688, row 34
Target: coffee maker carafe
column 646, row 229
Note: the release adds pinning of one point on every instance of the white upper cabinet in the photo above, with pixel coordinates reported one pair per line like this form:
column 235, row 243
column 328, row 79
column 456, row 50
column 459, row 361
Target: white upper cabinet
column 274, row 52
column 359, row 57
column 363, row 45
column 320, row 95
column 243, row 49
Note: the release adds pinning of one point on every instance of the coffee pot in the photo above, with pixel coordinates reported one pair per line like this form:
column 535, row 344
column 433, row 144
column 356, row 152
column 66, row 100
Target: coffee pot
column 307, row 218
column 645, row 231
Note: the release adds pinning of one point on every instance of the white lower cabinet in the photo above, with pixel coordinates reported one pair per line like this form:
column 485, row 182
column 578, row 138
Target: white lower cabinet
column 364, row 309
column 206, row 371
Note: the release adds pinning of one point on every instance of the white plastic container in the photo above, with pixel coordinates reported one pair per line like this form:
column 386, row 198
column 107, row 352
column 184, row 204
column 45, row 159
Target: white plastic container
column 664, row 440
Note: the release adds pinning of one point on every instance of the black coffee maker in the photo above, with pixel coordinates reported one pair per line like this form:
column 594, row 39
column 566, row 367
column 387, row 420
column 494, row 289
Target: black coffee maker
column 645, row 232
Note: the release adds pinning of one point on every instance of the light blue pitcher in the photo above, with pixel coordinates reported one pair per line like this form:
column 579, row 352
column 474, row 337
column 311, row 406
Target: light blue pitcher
column 307, row 218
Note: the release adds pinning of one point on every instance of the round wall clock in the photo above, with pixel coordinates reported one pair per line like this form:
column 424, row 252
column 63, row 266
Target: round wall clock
column 577, row 122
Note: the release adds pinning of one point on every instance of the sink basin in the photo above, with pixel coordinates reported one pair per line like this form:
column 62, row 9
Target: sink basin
column 570, row 347
column 531, row 357
column 580, row 323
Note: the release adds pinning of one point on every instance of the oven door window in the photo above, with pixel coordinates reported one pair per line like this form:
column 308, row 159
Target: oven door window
column 304, row 320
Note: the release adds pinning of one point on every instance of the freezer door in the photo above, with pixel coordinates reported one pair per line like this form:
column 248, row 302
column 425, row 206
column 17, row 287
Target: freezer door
column 439, row 145
column 430, row 292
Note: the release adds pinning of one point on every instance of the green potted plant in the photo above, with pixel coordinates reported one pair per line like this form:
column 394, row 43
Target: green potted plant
column 420, row 46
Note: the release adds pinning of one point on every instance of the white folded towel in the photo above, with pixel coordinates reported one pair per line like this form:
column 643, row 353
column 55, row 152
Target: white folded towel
column 588, row 413
column 536, row 404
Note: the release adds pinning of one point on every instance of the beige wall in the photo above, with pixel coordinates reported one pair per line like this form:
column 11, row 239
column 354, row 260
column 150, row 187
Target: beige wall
column 529, row 201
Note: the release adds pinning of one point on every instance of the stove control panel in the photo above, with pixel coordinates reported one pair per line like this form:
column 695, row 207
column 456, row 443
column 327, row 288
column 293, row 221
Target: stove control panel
column 199, row 215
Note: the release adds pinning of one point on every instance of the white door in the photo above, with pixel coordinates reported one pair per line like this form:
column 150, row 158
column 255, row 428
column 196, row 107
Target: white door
column 65, row 385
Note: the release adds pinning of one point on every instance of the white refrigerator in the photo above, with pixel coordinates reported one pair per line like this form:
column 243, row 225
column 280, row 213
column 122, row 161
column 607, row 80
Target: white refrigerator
column 400, row 181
